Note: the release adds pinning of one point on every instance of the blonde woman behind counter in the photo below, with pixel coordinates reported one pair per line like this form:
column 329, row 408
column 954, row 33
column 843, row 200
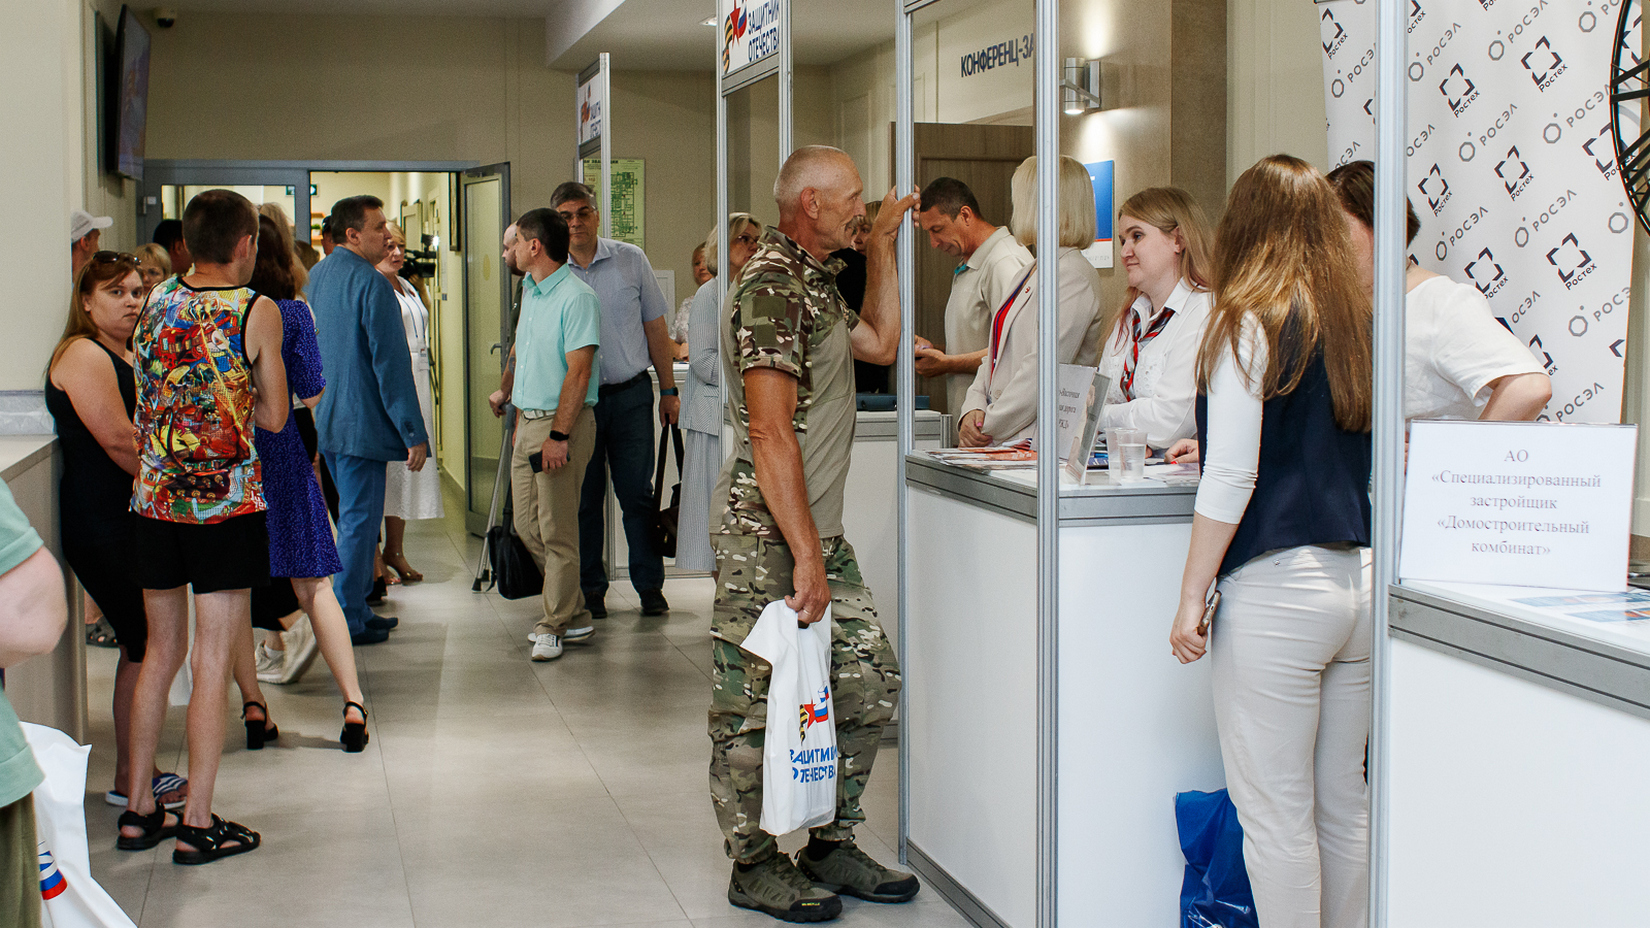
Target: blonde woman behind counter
column 1151, row 356
column 1002, row 403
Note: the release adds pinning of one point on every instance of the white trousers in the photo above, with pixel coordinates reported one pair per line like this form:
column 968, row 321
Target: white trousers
column 1292, row 704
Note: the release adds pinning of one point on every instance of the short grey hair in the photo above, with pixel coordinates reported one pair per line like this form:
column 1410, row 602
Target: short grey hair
column 808, row 166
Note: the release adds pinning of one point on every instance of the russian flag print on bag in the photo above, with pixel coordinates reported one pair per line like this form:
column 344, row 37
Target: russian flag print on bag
column 799, row 761
column 52, row 882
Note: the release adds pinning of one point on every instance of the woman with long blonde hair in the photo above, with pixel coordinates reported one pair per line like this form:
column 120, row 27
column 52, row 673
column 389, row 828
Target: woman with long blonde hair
column 1001, row 406
column 1151, row 353
column 1282, row 519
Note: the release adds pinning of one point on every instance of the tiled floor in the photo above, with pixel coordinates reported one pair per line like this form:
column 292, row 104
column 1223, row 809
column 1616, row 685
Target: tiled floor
column 495, row 792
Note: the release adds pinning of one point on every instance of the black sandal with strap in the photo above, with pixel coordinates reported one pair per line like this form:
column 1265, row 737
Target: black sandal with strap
column 155, row 829
column 354, row 735
column 210, row 842
column 259, row 730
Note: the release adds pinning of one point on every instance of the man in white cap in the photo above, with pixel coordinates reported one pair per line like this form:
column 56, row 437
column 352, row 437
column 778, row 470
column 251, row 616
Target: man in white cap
column 84, row 231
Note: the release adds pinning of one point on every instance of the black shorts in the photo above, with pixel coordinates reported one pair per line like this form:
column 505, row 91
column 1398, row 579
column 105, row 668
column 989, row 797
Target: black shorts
column 228, row 555
column 107, row 572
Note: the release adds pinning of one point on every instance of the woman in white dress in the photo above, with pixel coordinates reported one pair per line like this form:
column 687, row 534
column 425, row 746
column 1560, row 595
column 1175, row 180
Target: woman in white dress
column 409, row 494
column 701, row 419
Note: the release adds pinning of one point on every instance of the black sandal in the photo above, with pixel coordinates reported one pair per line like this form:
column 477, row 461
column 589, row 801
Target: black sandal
column 155, row 829
column 209, row 842
column 258, row 730
column 354, row 735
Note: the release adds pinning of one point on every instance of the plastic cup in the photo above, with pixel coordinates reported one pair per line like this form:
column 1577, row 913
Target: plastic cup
column 1125, row 454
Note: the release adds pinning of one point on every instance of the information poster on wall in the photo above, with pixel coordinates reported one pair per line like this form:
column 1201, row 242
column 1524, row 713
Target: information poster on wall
column 1512, row 170
column 750, row 32
column 1100, row 175
column 627, row 219
column 1518, row 504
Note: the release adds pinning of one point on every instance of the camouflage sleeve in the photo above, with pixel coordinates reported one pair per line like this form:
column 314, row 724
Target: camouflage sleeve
column 770, row 319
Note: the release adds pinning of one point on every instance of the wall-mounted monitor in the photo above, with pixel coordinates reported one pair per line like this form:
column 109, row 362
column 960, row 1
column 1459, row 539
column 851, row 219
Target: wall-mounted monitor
column 131, row 97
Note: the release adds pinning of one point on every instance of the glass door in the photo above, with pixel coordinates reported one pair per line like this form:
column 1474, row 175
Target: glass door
column 487, row 331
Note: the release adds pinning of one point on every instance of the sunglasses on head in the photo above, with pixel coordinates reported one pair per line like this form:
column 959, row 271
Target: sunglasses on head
column 114, row 257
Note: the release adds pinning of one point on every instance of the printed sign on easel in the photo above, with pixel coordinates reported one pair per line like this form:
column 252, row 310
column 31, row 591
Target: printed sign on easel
column 1079, row 396
column 1518, row 503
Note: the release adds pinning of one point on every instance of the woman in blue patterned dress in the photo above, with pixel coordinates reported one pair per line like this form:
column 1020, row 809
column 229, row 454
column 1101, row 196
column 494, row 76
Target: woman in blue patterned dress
column 300, row 537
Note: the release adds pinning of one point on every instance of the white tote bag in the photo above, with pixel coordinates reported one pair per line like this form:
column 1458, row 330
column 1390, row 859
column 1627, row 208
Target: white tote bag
column 72, row 898
column 799, row 759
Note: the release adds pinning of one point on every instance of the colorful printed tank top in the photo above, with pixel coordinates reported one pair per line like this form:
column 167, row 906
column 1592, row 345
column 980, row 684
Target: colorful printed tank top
column 196, row 459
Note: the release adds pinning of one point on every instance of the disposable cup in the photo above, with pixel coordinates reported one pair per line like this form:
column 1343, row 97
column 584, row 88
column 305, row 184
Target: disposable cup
column 1125, row 454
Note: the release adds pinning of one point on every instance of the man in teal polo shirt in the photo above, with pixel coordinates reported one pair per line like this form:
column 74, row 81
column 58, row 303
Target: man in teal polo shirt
column 557, row 338
column 32, row 613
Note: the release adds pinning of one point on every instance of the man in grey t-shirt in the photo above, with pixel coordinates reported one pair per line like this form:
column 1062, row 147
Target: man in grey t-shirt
column 634, row 336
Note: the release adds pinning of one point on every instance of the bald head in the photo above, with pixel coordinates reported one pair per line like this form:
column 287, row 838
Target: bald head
column 818, row 192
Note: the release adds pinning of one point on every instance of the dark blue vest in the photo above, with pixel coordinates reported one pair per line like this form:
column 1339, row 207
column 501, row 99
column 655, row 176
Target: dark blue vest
column 1313, row 482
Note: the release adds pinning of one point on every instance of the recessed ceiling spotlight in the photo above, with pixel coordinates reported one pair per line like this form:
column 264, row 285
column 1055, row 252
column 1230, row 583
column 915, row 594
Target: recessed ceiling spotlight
column 709, row 22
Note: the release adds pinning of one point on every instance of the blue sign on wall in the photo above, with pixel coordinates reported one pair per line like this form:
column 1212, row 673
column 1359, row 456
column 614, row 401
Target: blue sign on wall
column 1100, row 174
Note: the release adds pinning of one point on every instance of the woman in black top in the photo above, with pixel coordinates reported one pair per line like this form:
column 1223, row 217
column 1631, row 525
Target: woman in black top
column 91, row 393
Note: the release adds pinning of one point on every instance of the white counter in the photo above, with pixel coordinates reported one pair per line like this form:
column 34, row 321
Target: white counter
column 1135, row 726
column 49, row 689
column 1519, row 745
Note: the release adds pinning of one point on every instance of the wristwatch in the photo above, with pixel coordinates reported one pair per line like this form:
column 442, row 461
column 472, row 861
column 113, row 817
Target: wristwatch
column 668, row 391
column 558, row 436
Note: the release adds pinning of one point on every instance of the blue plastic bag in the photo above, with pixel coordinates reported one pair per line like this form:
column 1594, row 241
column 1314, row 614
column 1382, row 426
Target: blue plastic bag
column 1215, row 891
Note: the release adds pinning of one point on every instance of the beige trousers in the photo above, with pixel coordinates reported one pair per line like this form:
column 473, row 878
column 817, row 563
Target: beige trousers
column 1292, row 704
column 547, row 516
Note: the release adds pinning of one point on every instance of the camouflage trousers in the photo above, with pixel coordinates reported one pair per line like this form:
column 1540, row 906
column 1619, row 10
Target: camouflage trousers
column 865, row 685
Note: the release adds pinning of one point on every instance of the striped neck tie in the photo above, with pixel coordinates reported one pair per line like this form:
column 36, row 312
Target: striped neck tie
column 1132, row 360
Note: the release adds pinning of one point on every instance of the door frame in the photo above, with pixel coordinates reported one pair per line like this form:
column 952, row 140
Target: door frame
column 181, row 172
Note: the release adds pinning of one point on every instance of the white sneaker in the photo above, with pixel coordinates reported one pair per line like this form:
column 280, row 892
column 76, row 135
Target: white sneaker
column 269, row 663
column 546, row 647
column 301, row 648
column 577, row 635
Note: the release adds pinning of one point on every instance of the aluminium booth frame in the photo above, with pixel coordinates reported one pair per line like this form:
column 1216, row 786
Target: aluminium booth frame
column 1390, row 251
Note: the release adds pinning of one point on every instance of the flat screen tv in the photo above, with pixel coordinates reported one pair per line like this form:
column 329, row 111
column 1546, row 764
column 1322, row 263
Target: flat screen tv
column 131, row 93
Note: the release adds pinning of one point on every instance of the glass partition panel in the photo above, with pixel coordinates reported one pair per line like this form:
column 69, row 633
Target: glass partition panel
column 753, row 149
column 971, row 90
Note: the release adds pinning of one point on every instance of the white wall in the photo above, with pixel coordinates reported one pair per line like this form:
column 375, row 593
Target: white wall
column 1274, row 83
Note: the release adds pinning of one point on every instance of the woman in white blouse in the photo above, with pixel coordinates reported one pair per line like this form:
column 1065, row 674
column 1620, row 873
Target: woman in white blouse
column 1282, row 518
column 1151, row 356
column 1459, row 361
column 409, row 494
column 1001, row 407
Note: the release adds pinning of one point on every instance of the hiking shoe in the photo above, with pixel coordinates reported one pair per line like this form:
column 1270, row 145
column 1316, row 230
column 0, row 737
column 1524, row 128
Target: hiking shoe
column 847, row 869
column 775, row 887
column 546, row 647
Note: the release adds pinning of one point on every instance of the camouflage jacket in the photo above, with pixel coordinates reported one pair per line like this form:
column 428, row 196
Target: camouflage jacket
column 784, row 312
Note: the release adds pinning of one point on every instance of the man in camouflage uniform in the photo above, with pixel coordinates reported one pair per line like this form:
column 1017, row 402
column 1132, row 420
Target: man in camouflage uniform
column 788, row 347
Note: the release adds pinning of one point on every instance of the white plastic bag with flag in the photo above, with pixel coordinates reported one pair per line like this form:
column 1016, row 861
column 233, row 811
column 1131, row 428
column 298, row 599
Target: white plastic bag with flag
column 72, row 898
column 799, row 759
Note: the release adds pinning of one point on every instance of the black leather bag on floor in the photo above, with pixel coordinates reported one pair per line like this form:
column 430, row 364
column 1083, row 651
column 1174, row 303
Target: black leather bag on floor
column 515, row 575
column 666, row 518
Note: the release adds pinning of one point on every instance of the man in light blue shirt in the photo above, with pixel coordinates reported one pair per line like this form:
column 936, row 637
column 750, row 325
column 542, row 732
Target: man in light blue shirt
column 554, row 389
column 634, row 334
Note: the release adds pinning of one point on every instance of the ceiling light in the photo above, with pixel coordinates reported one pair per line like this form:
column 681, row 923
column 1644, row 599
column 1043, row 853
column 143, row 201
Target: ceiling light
column 709, row 22
column 1080, row 88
